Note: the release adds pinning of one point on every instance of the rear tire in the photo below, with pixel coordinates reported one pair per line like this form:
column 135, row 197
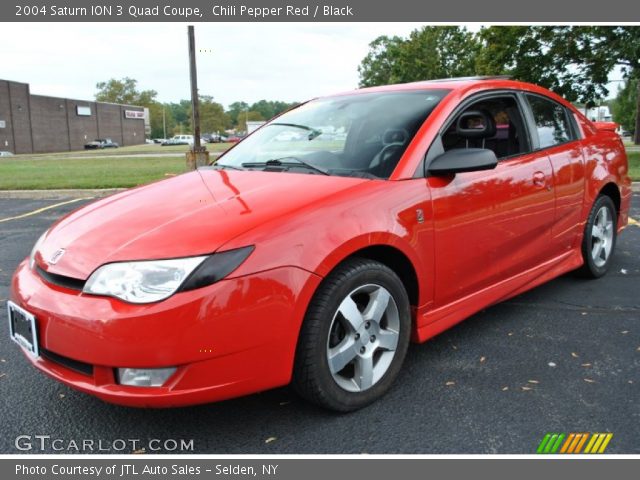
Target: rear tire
column 354, row 337
column 599, row 238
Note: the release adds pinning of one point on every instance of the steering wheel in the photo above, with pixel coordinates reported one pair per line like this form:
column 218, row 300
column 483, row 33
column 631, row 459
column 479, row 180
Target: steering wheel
column 392, row 140
column 378, row 165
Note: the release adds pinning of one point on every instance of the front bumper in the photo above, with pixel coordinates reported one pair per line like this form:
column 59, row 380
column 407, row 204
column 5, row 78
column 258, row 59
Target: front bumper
column 232, row 338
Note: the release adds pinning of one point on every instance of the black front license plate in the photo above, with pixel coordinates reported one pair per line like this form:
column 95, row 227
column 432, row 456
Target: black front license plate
column 23, row 328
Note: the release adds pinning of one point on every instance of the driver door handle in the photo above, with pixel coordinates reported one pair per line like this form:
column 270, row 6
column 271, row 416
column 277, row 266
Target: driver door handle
column 540, row 180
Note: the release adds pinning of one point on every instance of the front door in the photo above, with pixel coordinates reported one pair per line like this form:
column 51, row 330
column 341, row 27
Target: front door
column 491, row 225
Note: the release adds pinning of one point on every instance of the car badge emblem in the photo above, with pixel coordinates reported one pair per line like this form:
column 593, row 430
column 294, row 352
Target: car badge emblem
column 57, row 255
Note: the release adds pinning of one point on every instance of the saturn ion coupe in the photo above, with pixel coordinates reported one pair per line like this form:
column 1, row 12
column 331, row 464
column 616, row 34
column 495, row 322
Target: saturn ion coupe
column 316, row 249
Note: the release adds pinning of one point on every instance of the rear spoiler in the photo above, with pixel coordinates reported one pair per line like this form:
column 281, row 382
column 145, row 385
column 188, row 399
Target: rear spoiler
column 606, row 126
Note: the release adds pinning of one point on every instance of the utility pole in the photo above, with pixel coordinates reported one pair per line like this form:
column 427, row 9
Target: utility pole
column 636, row 134
column 198, row 155
column 164, row 123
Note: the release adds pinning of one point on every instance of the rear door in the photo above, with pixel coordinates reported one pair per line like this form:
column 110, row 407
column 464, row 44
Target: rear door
column 556, row 133
column 491, row 225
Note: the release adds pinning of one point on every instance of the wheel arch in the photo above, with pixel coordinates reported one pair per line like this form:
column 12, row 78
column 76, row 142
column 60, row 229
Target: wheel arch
column 388, row 249
column 391, row 255
column 397, row 261
column 611, row 190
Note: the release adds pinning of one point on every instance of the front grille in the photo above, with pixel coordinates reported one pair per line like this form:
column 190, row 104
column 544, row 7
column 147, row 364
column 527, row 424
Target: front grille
column 61, row 280
column 75, row 365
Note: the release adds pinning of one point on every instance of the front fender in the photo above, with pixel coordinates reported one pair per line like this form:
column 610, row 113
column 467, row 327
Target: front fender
column 320, row 236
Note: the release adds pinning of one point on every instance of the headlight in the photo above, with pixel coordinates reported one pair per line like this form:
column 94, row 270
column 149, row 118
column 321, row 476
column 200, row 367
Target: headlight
column 36, row 247
column 141, row 282
column 154, row 280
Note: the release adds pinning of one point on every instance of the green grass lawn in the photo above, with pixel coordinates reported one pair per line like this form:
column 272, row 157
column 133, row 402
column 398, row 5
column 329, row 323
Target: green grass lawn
column 67, row 171
column 124, row 151
column 51, row 173
column 634, row 165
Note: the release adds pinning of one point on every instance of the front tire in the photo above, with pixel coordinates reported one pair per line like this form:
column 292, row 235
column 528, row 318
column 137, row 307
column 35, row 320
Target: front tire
column 599, row 238
column 354, row 337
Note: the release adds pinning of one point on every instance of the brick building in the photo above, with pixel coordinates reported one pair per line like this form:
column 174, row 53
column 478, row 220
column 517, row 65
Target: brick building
column 39, row 124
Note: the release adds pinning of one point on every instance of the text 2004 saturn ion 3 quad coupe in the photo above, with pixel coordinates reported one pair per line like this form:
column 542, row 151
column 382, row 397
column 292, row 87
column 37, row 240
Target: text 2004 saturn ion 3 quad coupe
column 318, row 247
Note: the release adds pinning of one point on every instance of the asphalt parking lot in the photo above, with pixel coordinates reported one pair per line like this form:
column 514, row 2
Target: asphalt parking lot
column 564, row 357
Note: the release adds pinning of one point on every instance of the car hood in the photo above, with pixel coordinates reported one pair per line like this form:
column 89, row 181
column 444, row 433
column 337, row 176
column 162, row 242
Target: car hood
column 191, row 214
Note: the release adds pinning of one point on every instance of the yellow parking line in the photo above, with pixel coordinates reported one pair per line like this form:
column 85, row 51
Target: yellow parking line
column 633, row 221
column 43, row 209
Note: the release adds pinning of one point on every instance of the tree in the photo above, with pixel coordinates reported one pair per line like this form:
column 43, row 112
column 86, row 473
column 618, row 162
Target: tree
column 235, row 109
column 243, row 118
column 260, row 110
column 382, row 64
column 124, row 91
column 428, row 53
column 610, row 47
column 156, row 112
column 625, row 105
column 270, row 108
column 573, row 61
column 212, row 115
column 181, row 114
column 552, row 57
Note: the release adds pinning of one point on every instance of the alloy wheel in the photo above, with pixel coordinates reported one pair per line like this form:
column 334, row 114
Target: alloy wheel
column 602, row 236
column 363, row 338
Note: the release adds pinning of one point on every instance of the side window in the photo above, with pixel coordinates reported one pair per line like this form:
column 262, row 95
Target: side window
column 505, row 135
column 552, row 122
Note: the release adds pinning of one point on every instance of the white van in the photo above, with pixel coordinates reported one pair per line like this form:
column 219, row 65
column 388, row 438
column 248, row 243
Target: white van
column 182, row 140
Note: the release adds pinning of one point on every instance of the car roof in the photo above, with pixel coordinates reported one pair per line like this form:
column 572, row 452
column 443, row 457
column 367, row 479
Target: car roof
column 461, row 85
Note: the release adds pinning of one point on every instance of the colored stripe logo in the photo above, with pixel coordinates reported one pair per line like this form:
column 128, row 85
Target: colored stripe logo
column 574, row 443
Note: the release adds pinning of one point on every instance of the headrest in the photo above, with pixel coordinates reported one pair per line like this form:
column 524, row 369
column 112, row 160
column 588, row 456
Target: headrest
column 476, row 124
column 395, row 135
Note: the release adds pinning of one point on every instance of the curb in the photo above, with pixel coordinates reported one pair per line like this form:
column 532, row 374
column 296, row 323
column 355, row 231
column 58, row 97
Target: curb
column 103, row 192
column 58, row 194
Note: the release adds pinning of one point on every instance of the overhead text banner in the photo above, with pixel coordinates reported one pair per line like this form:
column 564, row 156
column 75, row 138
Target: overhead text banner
column 318, row 11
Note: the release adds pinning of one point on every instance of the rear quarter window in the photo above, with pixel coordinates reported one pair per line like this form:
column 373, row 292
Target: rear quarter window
column 551, row 121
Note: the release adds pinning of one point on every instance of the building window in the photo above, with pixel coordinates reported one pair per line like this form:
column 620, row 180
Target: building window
column 83, row 111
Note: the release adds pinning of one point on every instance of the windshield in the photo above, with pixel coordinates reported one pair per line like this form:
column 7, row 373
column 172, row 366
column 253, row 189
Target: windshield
column 353, row 135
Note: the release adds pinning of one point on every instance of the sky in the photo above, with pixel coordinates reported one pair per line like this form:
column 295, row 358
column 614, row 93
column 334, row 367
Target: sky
column 238, row 61
column 249, row 62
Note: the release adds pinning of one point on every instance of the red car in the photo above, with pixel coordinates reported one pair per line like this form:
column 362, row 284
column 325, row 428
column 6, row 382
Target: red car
column 313, row 251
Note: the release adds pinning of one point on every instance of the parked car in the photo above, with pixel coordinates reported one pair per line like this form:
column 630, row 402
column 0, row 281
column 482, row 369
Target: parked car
column 213, row 138
column 179, row 140
column 5, row 154
column 289, row 262
column 159, row 140
column 233, row 138
column 101, row 143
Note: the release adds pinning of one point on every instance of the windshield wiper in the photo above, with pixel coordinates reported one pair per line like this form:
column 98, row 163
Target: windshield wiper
column 224, row 165
column 313, row 131
column 278, row 162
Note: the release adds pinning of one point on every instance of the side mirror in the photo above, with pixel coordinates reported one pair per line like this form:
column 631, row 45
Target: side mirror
column 463, row 160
